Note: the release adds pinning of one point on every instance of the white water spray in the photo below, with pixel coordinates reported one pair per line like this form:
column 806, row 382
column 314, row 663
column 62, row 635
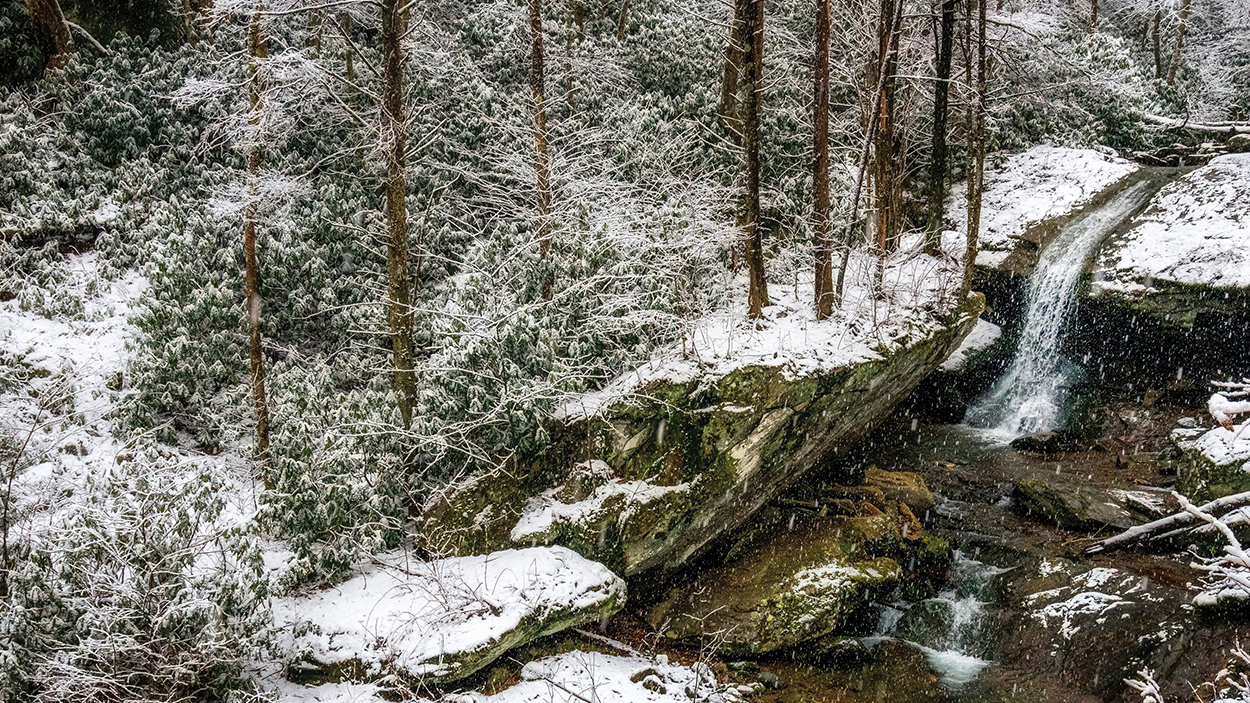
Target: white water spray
column 1031, row 395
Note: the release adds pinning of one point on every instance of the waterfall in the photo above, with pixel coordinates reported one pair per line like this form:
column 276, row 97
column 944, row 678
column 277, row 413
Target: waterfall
column 1031, row 395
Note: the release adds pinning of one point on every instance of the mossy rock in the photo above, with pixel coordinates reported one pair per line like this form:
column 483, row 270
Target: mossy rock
column 730, row 445
column 802, row 584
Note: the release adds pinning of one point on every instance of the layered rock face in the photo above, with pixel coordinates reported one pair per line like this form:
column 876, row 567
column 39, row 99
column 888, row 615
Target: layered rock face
column 645, row 484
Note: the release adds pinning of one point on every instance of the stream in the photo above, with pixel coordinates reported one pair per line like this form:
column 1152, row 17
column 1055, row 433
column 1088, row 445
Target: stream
column 1020, row 615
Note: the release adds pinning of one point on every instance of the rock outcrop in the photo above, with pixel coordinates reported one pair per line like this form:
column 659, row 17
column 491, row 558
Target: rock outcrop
column 646, row 483
column 1185, row 256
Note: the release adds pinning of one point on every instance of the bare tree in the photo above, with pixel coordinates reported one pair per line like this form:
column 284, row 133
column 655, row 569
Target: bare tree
column 976, row 144
column 395, row 138
column 1180, row 41
column 757, row 298
column 820, row 177
column 941, row 108
column 727, row 109
column 542, row 162
column 886, row 168
column 258, row 49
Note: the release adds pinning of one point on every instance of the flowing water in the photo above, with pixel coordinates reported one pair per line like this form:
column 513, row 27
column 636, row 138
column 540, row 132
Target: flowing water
column 1031, row 395
column 947, row 628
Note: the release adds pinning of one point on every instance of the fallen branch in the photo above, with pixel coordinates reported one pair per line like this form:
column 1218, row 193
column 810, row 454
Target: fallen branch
column 1226, row 128
column 1134, row 534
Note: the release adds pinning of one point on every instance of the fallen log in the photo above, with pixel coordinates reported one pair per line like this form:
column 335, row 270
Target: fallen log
column 1169, row 523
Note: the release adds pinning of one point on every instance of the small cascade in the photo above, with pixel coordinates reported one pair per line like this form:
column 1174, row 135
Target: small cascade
column 948, row 628
column 1031, row 395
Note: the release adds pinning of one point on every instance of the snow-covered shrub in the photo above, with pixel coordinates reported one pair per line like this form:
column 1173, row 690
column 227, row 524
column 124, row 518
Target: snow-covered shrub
column 138, row 585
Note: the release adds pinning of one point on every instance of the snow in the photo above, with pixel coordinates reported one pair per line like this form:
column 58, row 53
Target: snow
column 982, row 335
column 917, row 291
column 1031, row 187
column 572, row 677
column 1196, row 232
column 545, row 511
column 1221, row 446
column 410, row 616
column 578, row 677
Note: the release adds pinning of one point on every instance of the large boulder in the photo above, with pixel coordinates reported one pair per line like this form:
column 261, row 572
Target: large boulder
column 443, row 620
column 781, row 587
column 1186, row 255
column 1215, row 463
column 1073, row 503
column 647, row 481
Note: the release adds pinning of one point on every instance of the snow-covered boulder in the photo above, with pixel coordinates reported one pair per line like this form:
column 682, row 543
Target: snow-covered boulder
column 1188, row 251
column 1216, row 462
column 647, row 479
column 1030, row 194
column 790, row 582
column 440, row 620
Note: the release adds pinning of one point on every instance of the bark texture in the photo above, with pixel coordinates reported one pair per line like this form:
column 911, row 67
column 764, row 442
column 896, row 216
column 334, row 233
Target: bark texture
column 757, row 298
column 395, row 137
column 820, row 177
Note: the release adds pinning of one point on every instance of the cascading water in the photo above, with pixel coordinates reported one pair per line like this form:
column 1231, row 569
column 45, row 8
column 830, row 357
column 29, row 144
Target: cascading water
column 947, row 628
column 1031, row 395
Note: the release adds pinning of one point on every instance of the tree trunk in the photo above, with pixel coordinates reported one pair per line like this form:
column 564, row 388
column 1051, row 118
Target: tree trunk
column 976, row 152
column 395, row 137
column 1093, row 15
column 886, row 174
column 349, row 53
column 568, row 57
column 941, row 109
column 1180, row 41
column 1158, row 45
column 50, row 24
column 542, row 164
column 728, row 107
column 622, row 21
column 258, row 47
column 820, row 176
column 879, row 74
column 757, row 298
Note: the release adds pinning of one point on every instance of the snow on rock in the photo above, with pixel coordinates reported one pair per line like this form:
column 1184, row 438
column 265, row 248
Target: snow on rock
column 1217, row 461
column 982, row 335
column 1028, row 189
column 1196, row 232
column 545, row 513
column 577, row 677
column 918, row 290
column 442, row 620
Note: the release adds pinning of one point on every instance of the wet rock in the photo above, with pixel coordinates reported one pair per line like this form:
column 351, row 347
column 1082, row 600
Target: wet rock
column 1092, row 627
column 1074, row 504
column 777, row 591
column 906, row 487
column 835, row 651
column 771, row 681
column 647, row 484
column 1212, row 465
column 1056, row 442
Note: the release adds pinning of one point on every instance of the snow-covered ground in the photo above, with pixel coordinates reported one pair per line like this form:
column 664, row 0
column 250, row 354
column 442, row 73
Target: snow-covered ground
column 1195, row 232
column 1026, row 189
column 573, row 677
column 918, row 290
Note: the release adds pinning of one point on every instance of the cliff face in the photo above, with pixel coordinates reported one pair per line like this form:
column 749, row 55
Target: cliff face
column 647, row 484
